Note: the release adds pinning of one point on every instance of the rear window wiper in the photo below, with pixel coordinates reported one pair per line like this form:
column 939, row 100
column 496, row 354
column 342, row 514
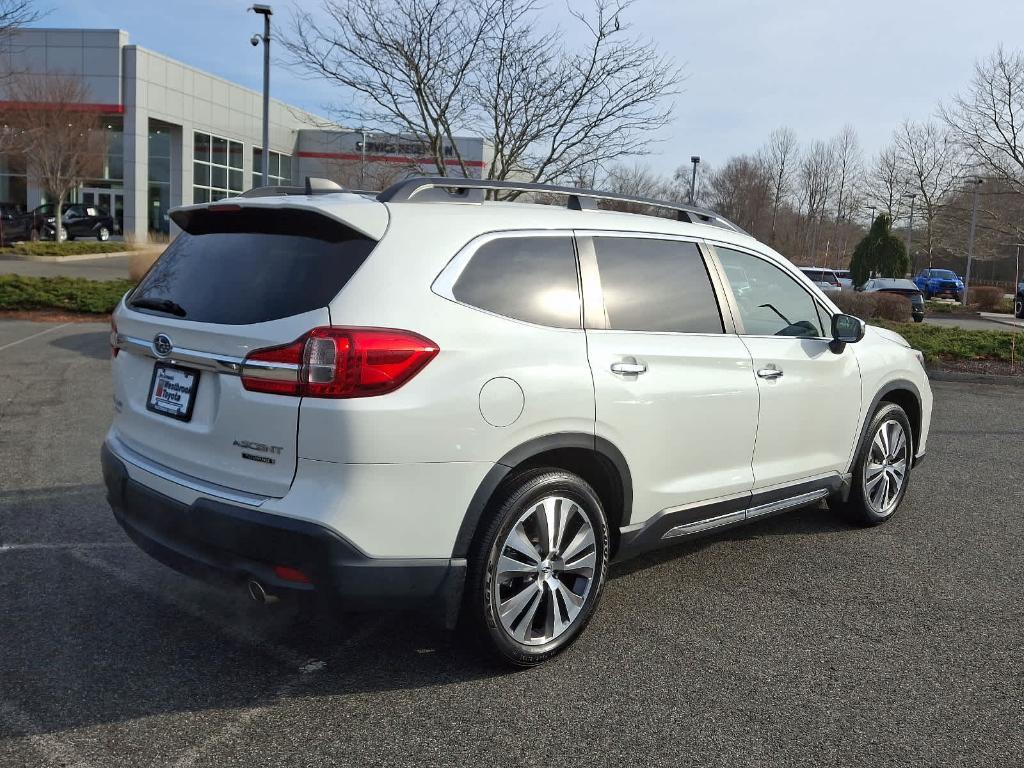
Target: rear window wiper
column 160, row 305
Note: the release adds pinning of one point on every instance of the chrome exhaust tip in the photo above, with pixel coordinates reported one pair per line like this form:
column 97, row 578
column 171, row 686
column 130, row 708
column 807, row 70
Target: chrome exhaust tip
column 259, row 594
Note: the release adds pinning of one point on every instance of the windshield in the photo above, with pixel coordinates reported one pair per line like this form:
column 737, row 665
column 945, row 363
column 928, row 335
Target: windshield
column 945, row 274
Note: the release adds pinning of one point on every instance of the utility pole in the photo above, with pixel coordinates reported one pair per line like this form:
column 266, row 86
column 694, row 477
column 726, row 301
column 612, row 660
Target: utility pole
column 970, row 238
column 910, row 232
column 871, row 208
column 695, row 159
column 266, row 12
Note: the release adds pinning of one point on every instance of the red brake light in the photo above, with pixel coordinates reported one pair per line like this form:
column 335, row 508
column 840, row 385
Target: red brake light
column 291, row 574
column 339, row 363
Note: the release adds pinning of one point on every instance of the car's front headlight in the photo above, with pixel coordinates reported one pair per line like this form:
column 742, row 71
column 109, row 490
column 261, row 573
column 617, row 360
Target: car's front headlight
column 920, row 357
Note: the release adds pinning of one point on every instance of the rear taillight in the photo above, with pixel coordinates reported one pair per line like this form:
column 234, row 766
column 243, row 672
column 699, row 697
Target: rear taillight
column 339, row 363
column 114, row 348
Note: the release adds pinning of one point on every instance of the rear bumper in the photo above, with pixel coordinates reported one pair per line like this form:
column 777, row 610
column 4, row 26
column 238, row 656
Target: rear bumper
column 232, row 544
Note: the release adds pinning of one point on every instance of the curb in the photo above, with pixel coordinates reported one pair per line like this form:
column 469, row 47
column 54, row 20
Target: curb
column 974, row 378
column 62, row 259
column 1002, row 319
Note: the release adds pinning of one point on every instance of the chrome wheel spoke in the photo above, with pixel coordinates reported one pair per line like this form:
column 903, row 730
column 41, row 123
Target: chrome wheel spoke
column 899, row 445
column 510, row 609
column 520, row 542
column 584, row 538
column 522, row 630
column 581, row 566
column 873, row 470
column 885, row 470
column 573, row 602
column 509, row 568
column 899, row 470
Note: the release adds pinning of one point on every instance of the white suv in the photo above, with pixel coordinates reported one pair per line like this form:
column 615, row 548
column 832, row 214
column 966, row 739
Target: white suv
column 425, row 399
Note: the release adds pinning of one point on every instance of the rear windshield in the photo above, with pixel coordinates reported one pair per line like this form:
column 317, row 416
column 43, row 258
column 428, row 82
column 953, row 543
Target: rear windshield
column 250, row 266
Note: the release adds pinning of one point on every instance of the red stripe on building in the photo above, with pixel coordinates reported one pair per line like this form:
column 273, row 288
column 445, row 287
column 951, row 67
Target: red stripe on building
column 107, row 109
column 387, row 159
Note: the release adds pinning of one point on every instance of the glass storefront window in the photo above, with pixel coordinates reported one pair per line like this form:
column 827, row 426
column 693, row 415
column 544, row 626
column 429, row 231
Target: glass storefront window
column 279, row 170
column 216, row 168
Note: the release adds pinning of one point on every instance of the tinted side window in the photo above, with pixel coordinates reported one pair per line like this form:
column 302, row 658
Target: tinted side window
column 656, row 285
column 526, row 278
column 771, row 303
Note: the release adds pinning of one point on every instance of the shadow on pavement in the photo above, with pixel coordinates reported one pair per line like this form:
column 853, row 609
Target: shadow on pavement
column 93, row 344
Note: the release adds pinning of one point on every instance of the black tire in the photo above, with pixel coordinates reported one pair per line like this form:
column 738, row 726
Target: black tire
column 919, row 319
column 515, row 499
column 859, row 508
column 1018, row 308
column 102, row 234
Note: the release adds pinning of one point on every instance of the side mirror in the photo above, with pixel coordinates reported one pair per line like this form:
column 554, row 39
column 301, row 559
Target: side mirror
column 846, row 329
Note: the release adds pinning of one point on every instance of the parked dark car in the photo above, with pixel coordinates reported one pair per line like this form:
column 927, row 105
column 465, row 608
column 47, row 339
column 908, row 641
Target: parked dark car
column 1018, row 302
column 940, row 282
column 900, row 287
column 15, row 225
column 79, row 221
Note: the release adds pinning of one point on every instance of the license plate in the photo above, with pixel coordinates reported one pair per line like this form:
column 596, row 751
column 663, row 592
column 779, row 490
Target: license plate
column 172, row 391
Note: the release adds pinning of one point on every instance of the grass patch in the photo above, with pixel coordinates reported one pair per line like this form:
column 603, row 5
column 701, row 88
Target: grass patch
column 73, row 248
column 69, row 294
column 945, row 343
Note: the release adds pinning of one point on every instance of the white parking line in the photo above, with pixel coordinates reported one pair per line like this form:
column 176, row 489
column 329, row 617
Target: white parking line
column 279, row 652
column 55, row 751
column 33, row 336
column 31, row 547
column 287, row 689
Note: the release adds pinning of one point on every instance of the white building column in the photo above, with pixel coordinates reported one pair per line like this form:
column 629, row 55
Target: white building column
column 136, row 150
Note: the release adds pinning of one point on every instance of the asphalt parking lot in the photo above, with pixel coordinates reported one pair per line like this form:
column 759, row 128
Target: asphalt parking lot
column 795, row 641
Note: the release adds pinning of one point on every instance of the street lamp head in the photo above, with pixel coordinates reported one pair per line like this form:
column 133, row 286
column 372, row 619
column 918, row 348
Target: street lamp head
column 254, row 40
column 695, row 159
column 263, row 9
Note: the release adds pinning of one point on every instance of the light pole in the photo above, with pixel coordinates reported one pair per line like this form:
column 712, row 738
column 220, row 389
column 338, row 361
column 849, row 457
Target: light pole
column 910, row 231
column 266, row 12
column 695, row 159
column 1016, row 279
column 970, row 238
column 871, row 208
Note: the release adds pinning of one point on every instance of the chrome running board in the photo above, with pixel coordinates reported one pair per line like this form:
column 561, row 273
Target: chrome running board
column 762, row 510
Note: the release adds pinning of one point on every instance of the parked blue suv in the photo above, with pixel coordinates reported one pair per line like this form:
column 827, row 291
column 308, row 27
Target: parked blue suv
column 939, row 282
column 1018, row 301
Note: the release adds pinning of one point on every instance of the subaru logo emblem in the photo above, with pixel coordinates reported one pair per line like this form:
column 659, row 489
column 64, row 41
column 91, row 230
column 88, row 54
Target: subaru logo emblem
column 162, row 344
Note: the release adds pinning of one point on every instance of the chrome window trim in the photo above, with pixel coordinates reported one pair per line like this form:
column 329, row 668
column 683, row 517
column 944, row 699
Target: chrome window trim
column 202, row 487
column 444, row 283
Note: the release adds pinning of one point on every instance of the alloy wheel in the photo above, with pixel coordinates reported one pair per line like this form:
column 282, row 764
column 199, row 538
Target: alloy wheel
column 885, row 470
column 544, row 571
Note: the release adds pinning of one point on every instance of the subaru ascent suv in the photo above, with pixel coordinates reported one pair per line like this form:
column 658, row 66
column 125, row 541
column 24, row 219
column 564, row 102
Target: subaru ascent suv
column 429, row 399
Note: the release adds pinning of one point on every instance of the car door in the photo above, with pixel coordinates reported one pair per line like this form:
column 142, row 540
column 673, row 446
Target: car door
column 810, row 390
column 673, row 386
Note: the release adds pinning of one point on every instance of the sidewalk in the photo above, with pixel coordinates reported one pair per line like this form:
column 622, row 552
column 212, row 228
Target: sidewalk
column 1002, row 319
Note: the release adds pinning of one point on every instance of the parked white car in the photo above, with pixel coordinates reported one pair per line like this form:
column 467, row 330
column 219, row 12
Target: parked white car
column 845, row 278
column 424, row 399
column 825, row 279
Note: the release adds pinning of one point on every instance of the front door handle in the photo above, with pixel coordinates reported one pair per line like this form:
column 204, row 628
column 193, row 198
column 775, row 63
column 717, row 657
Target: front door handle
column 770, row 373
column 629, row 366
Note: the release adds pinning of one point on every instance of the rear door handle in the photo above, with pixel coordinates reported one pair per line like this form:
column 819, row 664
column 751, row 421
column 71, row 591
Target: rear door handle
column 770, row 373
column 629, row 366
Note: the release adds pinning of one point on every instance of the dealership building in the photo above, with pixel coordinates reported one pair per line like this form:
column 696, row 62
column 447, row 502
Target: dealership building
column 177, row 135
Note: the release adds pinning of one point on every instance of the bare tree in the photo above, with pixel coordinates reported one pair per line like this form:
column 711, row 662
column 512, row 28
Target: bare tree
column 987, row 120
column 63, row 143
column 637, row 181
column 931, row 163
column 15, row 14
column 741, row 190
column 434, row 68
column 816, row 182
column 886, row 182
column 779, row 158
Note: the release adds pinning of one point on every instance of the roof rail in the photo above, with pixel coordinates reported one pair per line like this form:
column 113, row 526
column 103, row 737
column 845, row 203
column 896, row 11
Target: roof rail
column 314, row 186
column 438, row 188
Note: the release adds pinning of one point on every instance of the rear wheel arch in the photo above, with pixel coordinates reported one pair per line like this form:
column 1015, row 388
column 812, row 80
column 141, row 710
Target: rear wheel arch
column 594, row 459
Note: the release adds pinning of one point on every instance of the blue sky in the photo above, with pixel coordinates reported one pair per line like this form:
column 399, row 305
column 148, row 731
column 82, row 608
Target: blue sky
column 814, row 65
